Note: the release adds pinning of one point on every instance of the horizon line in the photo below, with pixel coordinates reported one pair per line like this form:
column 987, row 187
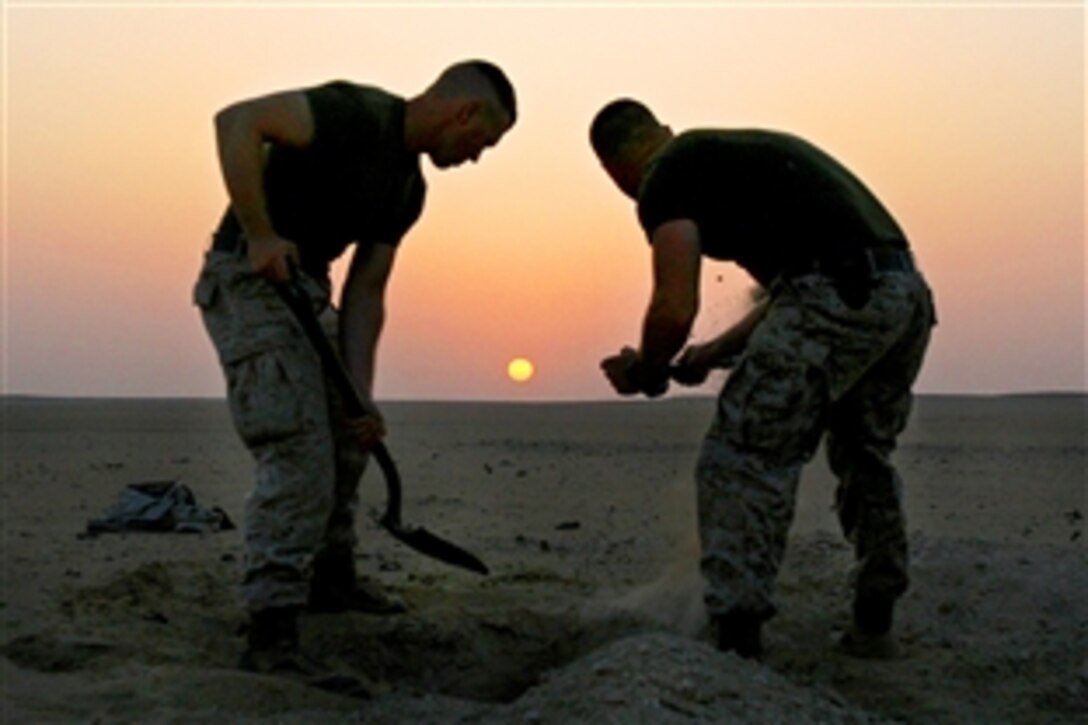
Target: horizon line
column 32, row 397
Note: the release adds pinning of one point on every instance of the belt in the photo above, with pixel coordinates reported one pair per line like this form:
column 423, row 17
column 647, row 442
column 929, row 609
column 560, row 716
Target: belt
column 870, row 262
column 882, row 259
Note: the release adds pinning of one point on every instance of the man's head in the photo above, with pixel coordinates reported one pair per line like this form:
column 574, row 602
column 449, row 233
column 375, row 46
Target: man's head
column 625, row 134
column 466, row 110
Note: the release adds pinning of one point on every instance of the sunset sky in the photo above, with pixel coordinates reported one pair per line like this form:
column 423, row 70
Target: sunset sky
column 967, row 121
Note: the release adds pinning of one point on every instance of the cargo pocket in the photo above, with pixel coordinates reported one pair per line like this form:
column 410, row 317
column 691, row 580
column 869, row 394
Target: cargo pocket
column 264, row 399
column 774, row 405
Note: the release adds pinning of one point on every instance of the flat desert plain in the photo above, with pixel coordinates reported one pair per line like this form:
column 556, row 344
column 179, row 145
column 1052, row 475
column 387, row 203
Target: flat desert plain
column 584, row 513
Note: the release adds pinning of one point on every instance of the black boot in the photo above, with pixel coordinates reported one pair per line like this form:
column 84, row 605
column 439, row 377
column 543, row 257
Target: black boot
column 871, row 637
column 873, row 613
column 272, row 648
column 334, row 588
column 740, row 631
column 271, row 641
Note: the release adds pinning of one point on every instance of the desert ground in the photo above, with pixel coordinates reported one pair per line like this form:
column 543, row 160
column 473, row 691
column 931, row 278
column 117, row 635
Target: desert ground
column 584, row 513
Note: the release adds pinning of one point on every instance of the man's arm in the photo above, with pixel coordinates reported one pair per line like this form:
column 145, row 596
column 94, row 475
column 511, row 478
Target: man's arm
column 730, row 343
column 675, row 299
column 696, row 361
column 362, row 313
column 673, row 305
column 242, row 132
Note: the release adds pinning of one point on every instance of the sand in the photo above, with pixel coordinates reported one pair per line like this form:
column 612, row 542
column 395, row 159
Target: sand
column 591, row 613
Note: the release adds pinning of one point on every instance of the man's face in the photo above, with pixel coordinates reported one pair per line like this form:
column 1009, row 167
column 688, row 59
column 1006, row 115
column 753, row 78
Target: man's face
column 626, row 166
column 473, row 129
column 624, row 175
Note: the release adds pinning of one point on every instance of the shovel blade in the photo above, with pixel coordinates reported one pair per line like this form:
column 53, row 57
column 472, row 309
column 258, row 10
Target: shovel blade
column 427, row 543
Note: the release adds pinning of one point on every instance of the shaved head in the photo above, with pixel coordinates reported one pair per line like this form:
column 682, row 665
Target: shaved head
column 464, row 112
column 620, row 126
column 625, row 134
column 481, row 80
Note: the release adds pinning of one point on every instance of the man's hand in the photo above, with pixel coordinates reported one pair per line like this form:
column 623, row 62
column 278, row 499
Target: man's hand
column 272, row 257
column 628, row 375
column 618, row 369
column 367, row 430
column 693, row 365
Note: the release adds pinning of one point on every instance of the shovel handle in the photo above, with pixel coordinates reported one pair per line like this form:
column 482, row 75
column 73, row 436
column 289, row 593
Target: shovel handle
column 299, row 304
column 419, row 539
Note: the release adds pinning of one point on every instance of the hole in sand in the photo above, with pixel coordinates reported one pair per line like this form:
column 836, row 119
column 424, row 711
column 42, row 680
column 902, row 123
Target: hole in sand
column 484, row 644
column 488, row 644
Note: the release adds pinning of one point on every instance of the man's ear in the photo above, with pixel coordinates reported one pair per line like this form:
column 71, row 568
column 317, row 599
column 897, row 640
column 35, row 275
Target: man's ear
column 466, row 111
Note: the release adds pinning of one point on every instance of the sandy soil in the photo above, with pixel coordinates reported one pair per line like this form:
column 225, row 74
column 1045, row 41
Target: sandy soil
column 585, row 515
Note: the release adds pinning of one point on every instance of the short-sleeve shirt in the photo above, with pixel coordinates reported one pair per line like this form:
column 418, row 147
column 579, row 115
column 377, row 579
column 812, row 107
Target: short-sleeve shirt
column 769, row 201
column 355, row 181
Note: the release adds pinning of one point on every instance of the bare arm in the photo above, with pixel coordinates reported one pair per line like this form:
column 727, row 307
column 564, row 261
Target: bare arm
column 675, row 299
column 673, row 305
column 730, row 343
column 362, row 313
column 242, row 132
column 696, row 362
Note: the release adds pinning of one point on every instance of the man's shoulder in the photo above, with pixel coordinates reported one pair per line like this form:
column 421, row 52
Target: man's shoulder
column 697, row 146
column 344, row 108
column 732, row 138
column 350, row 92
column 731, row 152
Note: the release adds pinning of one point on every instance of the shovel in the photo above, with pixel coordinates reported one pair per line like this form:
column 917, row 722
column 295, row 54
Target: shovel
column 418, row 538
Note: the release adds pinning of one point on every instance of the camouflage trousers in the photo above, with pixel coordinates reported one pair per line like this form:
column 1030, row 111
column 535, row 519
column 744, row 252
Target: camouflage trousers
column 289, row 416
column 812, row 367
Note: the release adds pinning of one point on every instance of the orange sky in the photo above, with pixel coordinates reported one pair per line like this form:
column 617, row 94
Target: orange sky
column 968, row 122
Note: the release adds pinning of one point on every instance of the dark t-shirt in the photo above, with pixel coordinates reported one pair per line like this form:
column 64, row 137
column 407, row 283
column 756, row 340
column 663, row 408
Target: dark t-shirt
column 768, row 201
column 355, row 182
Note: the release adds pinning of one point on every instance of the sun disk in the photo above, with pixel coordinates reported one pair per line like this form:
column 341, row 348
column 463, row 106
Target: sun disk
column 520, row 370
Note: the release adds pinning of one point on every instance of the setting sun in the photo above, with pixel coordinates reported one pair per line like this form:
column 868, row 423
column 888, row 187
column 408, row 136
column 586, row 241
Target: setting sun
column 520, row 370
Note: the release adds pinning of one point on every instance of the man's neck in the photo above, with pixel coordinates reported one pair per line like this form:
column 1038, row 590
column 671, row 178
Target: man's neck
column 415, row 133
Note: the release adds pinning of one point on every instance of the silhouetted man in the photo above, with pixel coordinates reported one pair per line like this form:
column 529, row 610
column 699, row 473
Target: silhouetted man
column 834, row 347
column 310, row 173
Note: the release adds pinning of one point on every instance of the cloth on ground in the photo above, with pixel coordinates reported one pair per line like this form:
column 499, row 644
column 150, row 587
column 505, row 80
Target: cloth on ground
column 166, row 506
